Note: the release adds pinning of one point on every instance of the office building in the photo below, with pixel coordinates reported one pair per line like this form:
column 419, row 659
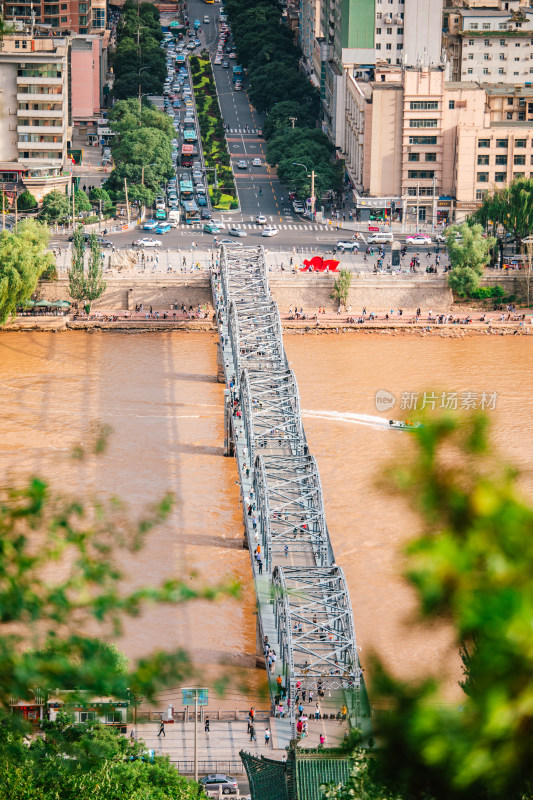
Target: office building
column 64, row 16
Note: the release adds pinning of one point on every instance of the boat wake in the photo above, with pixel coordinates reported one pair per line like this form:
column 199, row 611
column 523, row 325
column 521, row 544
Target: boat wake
column 347, row 416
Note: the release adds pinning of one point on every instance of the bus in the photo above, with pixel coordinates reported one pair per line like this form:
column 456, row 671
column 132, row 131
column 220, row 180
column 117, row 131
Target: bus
column 186, row 191
column 189, row 136
column 187, row 155
column 191, row 212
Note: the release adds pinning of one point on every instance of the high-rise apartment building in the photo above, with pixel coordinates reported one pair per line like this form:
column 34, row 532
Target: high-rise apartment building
column 361, row 35
column 63, row 16
column 490, row 42
column 34, row 118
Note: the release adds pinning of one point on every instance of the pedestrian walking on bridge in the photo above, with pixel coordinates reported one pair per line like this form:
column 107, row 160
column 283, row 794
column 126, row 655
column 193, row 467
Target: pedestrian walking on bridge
column 161, row 730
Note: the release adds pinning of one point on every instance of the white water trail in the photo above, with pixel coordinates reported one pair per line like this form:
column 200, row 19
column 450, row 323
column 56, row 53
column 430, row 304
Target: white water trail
column 347, row 416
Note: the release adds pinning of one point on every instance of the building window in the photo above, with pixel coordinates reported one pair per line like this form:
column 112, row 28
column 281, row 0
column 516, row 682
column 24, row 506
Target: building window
column 82, row 7
column 400, row 31
column 519, row 160
column 388, row 46
column 483, row 161
column 486, row 26
column 389, row 31
column 501, row 71
column 470, row 56
column 423, row 105
column 451, row 105
column 64, row 19
column 486, row 57
column 480, row 193
column 378, row 46
column 482, row 177
column 471, row 42
column 519, row 174
column 509, row 115
column 378, row 31
column 501, row 143
column 470, row 71
column 502, row 42
column 473, row 26
column 413, row 157
column 85, row 716
column 422, row 140
column 431, row 156
column 501, row 159
column 487, row 42
column 399, row 47
column 502, row 56
column 420, row 174
column 520, row 142
column 500, row 177
column 502, row 26
column 423, row 123
column 485, row 71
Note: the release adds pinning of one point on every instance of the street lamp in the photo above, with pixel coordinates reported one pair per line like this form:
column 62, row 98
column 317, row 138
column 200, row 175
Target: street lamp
column 312, row 176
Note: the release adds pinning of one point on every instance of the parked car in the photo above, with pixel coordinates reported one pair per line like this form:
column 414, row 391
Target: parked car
column 147, row 242
column 226, row 783
column 418, row 238
column 270, row 231
column 236, row 232
column 347, row 245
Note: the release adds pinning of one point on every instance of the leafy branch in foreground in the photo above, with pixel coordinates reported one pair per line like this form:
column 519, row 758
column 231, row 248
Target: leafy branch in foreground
column 60, row 577
column 472, row 566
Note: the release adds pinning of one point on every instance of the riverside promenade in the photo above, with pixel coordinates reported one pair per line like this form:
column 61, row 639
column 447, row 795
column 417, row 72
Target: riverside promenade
column 305, row 624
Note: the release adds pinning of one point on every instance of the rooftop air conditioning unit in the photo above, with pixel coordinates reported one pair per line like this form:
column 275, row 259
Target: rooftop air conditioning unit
column 388, row 20
column 398, row 19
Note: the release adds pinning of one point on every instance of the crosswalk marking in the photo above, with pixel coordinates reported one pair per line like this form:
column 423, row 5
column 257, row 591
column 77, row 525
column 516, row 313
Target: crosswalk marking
column 242, row 130
column 251, row 227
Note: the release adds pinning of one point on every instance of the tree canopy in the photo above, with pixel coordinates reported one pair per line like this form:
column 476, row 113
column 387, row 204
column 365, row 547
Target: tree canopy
column 26, row 201
column 23, row 259
column 55, row 206
column 138, row 59
column 469, row 252
column 511, row 207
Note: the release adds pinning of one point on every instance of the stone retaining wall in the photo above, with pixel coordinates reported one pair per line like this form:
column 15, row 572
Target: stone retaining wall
column 376, row 293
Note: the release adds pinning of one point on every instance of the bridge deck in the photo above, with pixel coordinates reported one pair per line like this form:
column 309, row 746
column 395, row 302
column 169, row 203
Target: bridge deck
column 303, row 602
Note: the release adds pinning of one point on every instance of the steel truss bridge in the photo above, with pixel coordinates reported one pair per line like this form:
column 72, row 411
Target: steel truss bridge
column 303, row 600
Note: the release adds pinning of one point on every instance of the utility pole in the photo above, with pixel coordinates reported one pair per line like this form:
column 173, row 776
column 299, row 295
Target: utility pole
column 142, row 175
column 196, row 736
column 73, row 208
column 292, row 121
column 100, row 215
column 16, row 213
column 417, row 204
column 434, row 209
column 3, row 209
column 313, row 198
column 127, row 203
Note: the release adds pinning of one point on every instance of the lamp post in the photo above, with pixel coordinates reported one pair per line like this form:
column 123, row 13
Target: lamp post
column 312, row 176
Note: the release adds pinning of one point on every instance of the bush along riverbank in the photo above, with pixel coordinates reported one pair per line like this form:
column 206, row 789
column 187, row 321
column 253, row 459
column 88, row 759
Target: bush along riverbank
column 216, row 156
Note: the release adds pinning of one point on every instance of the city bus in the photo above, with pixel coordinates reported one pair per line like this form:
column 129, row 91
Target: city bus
column 189, row 136
column 187, row 155
column 186, row 191
column 191, row 212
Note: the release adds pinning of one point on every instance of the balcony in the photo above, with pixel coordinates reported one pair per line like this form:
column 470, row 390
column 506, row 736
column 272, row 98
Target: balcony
column 40, row 145
column 47, row 130
column 22, row 97
column 39, row 81
column 25, row 113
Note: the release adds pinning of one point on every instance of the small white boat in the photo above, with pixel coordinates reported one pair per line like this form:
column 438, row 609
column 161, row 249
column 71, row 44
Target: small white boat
column 405, row 426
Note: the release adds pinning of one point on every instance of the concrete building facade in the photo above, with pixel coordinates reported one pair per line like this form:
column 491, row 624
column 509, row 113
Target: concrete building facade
column 491, row 44
column 63, row 16
column 34, row 120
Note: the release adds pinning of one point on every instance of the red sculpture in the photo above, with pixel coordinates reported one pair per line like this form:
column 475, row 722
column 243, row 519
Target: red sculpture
column 318, row 264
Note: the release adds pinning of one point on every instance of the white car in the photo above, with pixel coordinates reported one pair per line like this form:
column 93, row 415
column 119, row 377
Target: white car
column 206, row 20
column 260, row 220
column 418, row 238
column 298, row 207
column 270, row 232
column 347, row 245
column 257, row 162
column 146, row 242
column 242, row 164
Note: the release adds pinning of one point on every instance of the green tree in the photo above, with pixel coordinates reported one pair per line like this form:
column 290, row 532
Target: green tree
column 341, row 287
column 98, row 194
column 23, row 259
column 95, row 284
column 473, row 566
column 469, row 252
column 511, row 207
column 81, row 201
column 55, row 206
column 76, row 274
column 85, row 760
column 26, row 201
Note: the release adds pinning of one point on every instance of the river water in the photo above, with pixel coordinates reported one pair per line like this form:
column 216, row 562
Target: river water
column 159, row 394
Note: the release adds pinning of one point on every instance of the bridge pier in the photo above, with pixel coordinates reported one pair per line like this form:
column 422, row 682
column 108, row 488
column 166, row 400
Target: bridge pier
column 220, row 365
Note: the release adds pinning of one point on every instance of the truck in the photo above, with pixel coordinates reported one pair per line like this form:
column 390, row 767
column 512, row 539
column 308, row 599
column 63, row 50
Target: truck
column 237, row 73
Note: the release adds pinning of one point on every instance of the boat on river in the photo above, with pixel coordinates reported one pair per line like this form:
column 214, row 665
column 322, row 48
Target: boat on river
column 405, row 426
